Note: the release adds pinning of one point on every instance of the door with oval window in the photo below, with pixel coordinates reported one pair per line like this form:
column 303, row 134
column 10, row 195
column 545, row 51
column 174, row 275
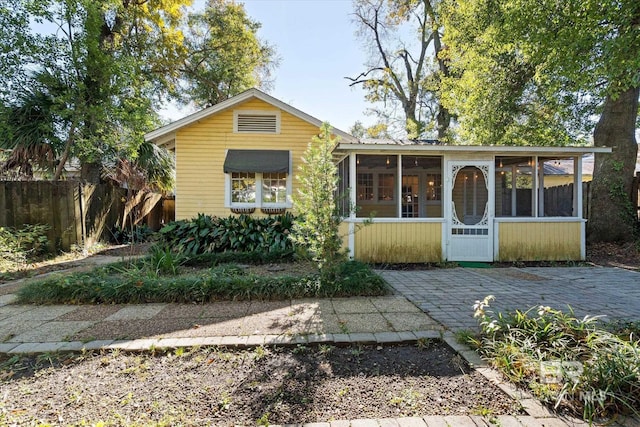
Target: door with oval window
column 470, row 216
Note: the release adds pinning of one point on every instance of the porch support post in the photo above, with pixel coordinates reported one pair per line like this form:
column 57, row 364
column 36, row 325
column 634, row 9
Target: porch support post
column 538, row 186
column 399, row 188
column 577, row 204
column 514, row 191
column 352, row 204
column 577, row 186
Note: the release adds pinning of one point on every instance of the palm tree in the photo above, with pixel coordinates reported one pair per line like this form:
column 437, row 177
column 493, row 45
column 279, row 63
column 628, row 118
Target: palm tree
column 30, row 133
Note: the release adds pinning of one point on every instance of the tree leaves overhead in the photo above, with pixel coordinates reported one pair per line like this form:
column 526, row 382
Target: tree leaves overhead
column 111, row 64
column 534, row 72
column 225, row 56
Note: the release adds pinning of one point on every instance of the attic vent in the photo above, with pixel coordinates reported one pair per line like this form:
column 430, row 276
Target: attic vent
column 249, row 122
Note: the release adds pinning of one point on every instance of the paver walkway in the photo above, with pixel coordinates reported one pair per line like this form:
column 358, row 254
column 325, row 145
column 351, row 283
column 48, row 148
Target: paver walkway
column 27, row 328
column 448, row 295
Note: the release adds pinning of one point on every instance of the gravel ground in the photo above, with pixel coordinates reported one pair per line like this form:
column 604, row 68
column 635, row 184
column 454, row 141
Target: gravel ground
column 227, row 387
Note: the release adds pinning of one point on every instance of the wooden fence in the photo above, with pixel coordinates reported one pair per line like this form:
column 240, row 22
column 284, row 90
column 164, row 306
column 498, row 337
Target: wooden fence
column 76, row 212
column 558, row 201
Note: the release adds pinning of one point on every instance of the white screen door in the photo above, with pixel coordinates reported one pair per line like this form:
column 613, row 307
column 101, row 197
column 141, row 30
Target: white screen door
column 470, row 217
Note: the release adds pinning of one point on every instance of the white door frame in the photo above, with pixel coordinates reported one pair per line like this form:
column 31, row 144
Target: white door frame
column 467, row 242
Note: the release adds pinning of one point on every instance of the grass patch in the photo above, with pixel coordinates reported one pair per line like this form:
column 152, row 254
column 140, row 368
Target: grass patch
column 579, row 365
column 163, row 277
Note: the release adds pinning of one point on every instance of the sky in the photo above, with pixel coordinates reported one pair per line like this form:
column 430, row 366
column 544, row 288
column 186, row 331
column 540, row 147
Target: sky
column 317, row 46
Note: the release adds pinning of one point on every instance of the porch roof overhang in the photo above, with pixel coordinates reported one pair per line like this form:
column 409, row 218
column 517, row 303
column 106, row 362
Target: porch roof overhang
column 437, row 149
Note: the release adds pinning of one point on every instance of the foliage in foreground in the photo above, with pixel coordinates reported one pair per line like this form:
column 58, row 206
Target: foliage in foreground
column 317, row 230
column 243, row 233
column 141, row 282
column 138, row 233
column 572, row 363
column 20, row 245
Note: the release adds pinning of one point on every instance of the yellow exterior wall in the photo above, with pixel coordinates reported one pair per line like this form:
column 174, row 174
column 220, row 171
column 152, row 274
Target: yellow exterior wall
column 399, row 242
column 536, row 241
column 343, row 230
column 200, row 155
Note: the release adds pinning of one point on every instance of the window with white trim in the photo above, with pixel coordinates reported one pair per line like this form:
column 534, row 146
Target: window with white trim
column 386, row 186
column 253, row 189
column 258, row 179
column 365, row 186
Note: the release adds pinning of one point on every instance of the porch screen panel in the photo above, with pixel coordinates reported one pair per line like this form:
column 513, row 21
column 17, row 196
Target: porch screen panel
column 421, row 186
column 514, row 187
column 376, row 186
column 557, row 180
column 343, row 193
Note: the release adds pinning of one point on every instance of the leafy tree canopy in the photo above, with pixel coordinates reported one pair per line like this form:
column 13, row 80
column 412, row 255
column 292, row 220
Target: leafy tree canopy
column 530, row 72
column 100, row 70
column 226, row 56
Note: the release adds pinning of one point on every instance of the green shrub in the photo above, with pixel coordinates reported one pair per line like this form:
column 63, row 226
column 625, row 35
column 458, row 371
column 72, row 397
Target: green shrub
column 139, row 282
column 243, row 233
column 593, row 371
column 162, row 261
column 137, row 234
column 20, row 245
column 256, row 258
column 354, row 278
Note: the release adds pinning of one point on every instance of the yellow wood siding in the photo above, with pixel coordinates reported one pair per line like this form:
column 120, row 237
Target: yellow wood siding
column 534, row 241
column 343, row 230
column 200, row 154
column 399, row 242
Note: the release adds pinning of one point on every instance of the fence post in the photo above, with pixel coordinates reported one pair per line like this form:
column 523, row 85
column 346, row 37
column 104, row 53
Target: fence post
column 635, row 193
column 83, row 223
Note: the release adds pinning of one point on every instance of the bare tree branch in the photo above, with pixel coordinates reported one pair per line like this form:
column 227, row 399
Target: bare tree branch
column 403, row 69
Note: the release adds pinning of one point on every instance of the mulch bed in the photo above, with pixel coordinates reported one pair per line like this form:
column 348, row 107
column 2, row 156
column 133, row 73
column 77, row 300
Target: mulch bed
column 226, row 387
column 622, row 255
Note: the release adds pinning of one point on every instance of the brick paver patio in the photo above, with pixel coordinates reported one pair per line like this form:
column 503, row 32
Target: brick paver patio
column 448, row 295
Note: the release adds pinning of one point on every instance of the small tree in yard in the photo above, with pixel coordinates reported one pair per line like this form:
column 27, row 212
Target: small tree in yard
column 317, row 227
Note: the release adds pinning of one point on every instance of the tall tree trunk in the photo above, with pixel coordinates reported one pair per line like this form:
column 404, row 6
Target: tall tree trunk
column 96, row 89
column 65, row 153
column 443, row 118
column 612, row 216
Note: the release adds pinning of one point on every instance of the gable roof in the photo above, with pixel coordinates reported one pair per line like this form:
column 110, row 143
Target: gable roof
column 164, row 135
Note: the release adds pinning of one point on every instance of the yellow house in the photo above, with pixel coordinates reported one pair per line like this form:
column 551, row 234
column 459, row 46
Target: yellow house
column 238, row 156
column 429, row 201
